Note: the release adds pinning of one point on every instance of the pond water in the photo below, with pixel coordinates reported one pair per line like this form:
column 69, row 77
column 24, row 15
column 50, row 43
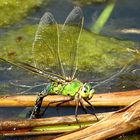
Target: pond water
column 122, row 24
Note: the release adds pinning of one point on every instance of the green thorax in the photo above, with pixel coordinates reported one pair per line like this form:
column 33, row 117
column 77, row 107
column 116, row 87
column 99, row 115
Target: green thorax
column 66, row 88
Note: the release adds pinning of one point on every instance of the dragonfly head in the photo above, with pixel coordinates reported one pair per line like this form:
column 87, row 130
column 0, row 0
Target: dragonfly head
column 87, row 91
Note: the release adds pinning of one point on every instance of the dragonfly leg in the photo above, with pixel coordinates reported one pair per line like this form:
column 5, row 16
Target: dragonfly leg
column 48, row 106
column 58, row 105
column 63, row 101
column 91, row 108
column 83, row 107
column 76, row 112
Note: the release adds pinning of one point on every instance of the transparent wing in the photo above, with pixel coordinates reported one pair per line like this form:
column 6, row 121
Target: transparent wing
column 45, row 45
column 46, row 74
column 69, row 41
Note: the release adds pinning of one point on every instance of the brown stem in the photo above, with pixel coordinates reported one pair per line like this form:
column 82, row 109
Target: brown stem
column 119, row 122
column 105, row 99
column 6, row 125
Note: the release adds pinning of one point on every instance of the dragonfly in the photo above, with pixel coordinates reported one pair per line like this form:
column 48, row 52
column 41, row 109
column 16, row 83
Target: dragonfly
column 62, row 60
column 55, row 55
column 55, row 51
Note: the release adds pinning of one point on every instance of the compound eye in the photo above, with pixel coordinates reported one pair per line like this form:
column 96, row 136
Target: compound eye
column 85, row 89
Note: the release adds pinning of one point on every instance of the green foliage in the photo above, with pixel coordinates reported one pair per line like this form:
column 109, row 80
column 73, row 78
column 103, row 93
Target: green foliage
column 104, row 16
column 12, row 11
column 88, row 2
